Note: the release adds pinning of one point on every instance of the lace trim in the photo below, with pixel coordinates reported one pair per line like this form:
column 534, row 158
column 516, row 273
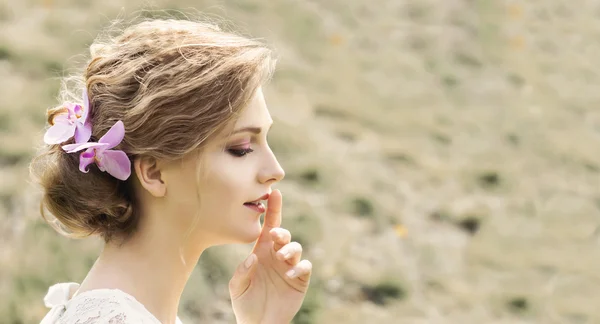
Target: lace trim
column 106, row 306
column 96, row 306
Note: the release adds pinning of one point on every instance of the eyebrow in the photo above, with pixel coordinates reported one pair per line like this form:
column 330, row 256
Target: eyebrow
column 250, row 129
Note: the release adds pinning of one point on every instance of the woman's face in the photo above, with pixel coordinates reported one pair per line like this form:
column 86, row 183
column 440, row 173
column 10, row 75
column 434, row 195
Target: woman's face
column 237, row 167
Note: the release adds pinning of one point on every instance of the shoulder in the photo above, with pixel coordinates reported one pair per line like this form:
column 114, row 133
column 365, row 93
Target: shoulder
column 106, row 306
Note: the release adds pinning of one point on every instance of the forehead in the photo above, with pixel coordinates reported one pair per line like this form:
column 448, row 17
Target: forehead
column 255, row 113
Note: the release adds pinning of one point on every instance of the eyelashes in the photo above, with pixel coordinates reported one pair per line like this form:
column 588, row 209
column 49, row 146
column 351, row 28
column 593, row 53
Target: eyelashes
column 239, row 152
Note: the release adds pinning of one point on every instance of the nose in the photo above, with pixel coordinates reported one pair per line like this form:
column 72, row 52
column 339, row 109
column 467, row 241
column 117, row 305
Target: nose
column 271, row 171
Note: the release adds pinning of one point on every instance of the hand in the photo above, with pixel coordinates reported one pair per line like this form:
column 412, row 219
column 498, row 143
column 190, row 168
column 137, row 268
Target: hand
column 267, row 292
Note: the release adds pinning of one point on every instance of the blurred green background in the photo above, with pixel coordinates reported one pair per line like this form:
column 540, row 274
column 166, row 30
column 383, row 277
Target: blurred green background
column 442, row 157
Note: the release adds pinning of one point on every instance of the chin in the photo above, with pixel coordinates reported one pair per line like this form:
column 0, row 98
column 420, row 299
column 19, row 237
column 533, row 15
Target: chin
column 242, row 239
column 246, row 238
column 249, row 235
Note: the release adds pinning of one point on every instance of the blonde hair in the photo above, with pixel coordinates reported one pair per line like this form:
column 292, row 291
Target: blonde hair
column 174, row 84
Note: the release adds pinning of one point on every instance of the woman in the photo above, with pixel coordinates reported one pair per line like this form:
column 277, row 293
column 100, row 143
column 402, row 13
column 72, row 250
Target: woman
column 166, row 155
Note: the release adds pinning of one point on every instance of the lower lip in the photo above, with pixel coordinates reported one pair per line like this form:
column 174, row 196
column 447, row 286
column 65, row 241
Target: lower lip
column 258, row 208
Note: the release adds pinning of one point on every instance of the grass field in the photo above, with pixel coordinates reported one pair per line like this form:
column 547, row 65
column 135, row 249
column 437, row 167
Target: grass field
column 452, row 147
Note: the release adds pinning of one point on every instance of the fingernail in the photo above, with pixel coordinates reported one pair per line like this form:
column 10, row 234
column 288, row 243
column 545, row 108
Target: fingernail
column 249, row 261
column 291, row 273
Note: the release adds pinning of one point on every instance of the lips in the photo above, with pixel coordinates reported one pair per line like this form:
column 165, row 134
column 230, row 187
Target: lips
column 264, row 197
column 257, row 205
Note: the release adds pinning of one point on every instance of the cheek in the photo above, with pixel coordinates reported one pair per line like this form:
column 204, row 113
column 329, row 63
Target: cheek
column 228, row 182
column 224, row 185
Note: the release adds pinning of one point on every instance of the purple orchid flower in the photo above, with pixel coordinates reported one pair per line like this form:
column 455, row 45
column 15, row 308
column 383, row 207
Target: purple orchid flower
column 115, row 162
column 75, row 122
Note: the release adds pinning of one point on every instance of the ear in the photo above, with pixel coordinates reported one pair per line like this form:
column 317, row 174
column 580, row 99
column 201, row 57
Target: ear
column 148, row 172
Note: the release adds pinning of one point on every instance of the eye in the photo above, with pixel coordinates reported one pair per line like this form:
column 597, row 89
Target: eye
column 239, row 152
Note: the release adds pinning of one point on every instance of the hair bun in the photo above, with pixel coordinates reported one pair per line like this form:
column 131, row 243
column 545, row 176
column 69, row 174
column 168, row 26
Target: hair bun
column 83, row 203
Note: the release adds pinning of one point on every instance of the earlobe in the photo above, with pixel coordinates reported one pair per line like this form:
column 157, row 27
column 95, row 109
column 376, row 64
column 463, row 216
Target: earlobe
column 150, row 176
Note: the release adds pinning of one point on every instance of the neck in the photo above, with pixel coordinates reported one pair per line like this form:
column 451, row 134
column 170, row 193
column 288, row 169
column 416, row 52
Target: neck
column 150, row 267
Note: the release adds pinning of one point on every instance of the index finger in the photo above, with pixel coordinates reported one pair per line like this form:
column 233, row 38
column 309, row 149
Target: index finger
column 273, row 213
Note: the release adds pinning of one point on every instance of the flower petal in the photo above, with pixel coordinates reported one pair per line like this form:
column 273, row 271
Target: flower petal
column 85, row 116
column 114, row 136
column 78, row 110
column 83, row 132
column 71, row 107
column 59, row 132
column 61, row 118
column 86, row 105
column 85, row 159
column 71, row 148
column 116, row 163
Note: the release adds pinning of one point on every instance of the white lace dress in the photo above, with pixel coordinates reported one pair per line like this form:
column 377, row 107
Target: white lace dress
column 99, row 306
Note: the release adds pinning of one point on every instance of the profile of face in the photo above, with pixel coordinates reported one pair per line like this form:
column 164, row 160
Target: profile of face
column 236, row 167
